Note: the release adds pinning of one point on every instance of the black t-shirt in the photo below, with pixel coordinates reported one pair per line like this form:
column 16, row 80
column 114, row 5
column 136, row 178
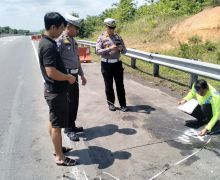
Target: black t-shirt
column 50, row 57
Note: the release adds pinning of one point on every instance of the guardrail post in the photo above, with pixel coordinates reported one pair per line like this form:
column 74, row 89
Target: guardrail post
column 193, row 78
column 133, row 63
column 156, row 70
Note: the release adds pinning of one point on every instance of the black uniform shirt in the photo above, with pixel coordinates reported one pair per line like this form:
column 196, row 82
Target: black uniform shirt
column 50, row 57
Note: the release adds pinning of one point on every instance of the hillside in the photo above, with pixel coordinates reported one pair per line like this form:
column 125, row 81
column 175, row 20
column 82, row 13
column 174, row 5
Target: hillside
column 170, row 31
column 164, row 33
column 205, row 24
column 195, row 36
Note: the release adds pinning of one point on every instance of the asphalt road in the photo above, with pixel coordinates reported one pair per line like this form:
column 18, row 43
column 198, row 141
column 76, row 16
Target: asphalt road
column 25, row 147
column 136, row 145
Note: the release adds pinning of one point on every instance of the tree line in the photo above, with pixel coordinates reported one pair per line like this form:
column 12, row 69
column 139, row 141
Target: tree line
column 127, row 10
column 8, row 30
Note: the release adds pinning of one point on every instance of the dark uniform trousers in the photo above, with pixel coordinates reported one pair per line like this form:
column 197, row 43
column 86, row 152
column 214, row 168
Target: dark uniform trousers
column 73, row 100
column 203, row 112
column 114, row 71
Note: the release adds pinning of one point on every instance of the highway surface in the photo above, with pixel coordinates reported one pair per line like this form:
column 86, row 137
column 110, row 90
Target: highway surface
column 149, row 141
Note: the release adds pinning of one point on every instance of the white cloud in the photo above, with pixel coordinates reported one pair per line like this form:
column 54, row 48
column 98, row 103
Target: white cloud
column 28, row 14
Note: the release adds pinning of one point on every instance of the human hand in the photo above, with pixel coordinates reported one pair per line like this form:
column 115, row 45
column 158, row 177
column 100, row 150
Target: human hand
column 120, row 47
column 83, row 80
column 182, row 101
column 203, row 132
column 71, row 79
column 113, row 48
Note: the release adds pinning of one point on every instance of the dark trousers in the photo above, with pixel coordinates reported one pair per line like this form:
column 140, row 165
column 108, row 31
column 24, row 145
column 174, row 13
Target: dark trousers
column 114, row 71
column 203, row 112
column 73, row 100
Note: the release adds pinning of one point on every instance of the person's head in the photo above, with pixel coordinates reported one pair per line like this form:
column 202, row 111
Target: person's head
column 54, row 24
column 201, row 87
column 110, row 25
column 72, row 30
column 73, row 25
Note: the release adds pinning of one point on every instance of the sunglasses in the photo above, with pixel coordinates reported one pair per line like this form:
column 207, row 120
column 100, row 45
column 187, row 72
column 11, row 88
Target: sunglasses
column 111, row 27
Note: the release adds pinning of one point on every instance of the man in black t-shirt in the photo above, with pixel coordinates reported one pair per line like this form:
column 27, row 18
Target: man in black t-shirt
column 56, row 83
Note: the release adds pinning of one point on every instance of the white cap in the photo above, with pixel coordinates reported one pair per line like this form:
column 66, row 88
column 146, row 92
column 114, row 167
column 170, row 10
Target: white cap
column 110, row 22
column 73, row 20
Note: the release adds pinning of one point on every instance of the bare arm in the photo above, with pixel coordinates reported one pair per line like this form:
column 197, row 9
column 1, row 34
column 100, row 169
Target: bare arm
column 54, row 74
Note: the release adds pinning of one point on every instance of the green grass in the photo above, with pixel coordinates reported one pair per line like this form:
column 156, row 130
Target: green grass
column 148, row 30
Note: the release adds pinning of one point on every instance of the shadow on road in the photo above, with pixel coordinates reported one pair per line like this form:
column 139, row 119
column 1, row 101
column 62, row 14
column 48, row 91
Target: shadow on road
column 100, row 156
column 141, row 109
column 106, row 130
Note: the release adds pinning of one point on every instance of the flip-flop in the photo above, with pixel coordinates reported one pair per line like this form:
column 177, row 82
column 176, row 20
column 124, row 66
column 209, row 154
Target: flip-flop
column 67, row 162
column 65, row 150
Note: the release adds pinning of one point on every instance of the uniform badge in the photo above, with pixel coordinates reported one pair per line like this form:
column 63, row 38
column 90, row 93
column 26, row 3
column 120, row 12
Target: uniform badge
column 66, row 41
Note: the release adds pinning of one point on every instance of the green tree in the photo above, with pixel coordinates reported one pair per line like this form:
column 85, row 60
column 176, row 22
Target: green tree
column 126, row 10
column 6, row 29
column 89, row 25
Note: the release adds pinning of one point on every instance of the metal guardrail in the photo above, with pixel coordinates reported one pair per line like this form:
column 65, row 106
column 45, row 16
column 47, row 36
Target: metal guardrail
column 194, row 67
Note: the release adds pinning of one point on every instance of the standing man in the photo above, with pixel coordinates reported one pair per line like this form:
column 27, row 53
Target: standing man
column 68, row 49
column 110, row 46
column 208, row 110
column 56, row 81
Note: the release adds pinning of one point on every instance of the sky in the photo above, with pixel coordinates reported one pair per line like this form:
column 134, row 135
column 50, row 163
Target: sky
column 28, row 14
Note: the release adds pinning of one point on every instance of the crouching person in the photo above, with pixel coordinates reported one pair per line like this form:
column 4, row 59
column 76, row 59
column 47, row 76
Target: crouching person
column 208, row 109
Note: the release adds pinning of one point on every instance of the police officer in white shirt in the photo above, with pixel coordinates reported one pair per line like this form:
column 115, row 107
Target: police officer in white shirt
column 110, row 46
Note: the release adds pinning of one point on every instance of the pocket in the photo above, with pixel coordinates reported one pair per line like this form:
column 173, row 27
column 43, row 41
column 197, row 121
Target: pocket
column 50, row 96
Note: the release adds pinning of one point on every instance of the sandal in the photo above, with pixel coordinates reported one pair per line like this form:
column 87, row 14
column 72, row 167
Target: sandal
column 67, row 162
column 65, row 150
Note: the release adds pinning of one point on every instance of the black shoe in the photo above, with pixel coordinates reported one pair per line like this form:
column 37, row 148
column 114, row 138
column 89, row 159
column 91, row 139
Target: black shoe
column 124, row 108
column 73, row 136
column 112, row 107
column 66, row 130
column 77, row 129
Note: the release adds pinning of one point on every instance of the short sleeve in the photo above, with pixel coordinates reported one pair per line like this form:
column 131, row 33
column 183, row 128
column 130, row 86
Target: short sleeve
column 49, row 57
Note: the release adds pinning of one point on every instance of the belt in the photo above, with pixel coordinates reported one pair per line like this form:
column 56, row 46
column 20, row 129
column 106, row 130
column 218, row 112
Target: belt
column 72, row 71
column 109, row 60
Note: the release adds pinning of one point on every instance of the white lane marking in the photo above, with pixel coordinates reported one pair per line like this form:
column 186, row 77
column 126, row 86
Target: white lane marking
column 35, row 51
column 37, row 57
